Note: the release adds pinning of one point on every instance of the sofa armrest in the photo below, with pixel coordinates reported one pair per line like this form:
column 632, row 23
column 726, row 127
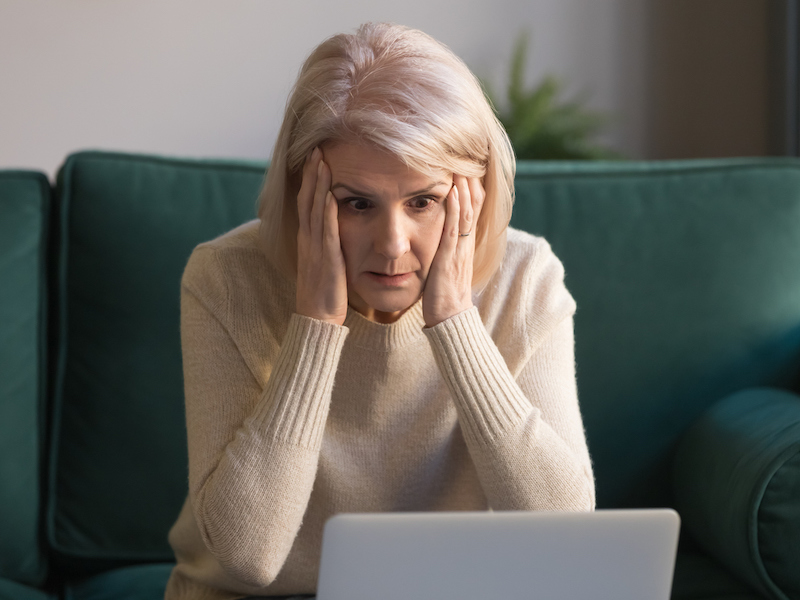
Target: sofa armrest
column 737, row 487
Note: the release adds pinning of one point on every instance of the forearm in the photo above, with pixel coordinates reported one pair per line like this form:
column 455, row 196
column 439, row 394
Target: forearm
column 249, row 492
column 524, row 460
column 251, row 508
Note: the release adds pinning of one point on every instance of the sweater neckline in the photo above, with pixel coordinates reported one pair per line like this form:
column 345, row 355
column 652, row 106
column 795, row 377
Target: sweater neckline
column 381, row 336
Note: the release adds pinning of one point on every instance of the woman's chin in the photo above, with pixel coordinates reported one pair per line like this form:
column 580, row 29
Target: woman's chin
column 385, row 307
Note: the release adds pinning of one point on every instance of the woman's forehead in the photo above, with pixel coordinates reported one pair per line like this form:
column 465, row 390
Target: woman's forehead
column 366, row 168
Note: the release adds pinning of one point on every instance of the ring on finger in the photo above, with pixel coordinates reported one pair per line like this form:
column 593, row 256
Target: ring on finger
column 464, row 234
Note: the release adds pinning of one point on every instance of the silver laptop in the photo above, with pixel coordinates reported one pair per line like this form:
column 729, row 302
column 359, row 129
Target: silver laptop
column 604, row 555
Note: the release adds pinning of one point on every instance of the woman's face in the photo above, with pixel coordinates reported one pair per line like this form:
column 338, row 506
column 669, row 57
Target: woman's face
column 390, row 224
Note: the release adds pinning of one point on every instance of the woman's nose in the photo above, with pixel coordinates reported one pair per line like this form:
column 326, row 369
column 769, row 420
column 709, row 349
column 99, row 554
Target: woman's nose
column 392, row 237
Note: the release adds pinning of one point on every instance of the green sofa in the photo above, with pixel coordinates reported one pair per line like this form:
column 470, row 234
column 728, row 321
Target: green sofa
column 687, row 280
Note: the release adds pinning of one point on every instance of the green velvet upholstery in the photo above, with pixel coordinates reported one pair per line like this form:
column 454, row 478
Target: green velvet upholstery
column 24, row 218
column 687, row 280
column 700, row 577
column 118, row 470
column 141, row 582
column 11, row 590
column 737, row 482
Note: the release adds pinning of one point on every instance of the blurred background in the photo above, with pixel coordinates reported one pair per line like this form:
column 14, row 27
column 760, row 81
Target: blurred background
column 209, row 78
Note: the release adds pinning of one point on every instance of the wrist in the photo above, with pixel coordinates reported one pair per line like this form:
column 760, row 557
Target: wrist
column 434, row 318
column 332, row 318
column 338, row 321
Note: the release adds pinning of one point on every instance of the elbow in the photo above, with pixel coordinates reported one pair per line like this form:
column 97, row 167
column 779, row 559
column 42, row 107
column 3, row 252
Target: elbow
column 591, row 499
column 587, row 503
column 573, row 501
column 252, row 570
column 576, row 494
column 581, row 495
column 254, row 564
column 250, row 556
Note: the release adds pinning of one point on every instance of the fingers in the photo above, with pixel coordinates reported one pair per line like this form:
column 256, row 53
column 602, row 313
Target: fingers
column 451, row 221
column 448, row 288
column 465, row 204
column 478, row 195
column 305, row 197
column 323, row 185
column 330, row 238
column 321, row 270
column 312, row 197
column 471, row 196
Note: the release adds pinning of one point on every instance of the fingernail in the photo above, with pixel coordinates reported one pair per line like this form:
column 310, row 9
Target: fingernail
column 319, row 168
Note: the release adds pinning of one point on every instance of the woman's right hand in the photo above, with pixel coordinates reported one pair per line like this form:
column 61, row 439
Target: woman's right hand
column 321, row 275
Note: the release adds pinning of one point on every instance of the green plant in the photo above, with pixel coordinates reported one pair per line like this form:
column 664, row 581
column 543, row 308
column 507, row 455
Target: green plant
column 541, row 125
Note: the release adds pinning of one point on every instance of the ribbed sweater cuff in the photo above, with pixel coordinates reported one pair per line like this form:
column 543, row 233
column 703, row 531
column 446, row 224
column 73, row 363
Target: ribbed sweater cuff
column 295, row 404
column 488, row 400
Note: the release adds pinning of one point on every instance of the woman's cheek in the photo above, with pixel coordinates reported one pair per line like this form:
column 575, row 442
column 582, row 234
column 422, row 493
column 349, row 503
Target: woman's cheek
column 431, row 235
column 347, row 239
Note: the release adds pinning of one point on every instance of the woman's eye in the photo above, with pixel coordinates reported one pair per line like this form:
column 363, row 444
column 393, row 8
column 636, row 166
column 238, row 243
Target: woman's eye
column 422, row 202
column 358, row 204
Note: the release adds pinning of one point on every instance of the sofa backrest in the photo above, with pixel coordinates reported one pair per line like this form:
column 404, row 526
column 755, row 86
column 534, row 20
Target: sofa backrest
column 24, row 220
column 127, row 224
column 687, row 279
column 686, row 275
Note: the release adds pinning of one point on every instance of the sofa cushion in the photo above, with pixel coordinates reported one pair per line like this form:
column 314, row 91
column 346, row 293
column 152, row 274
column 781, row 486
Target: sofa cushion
column 686, row 276
column 128, row 224
column 737, row 487
column 140, row 582
column 11, row 590
column 700, row 577
column 24, row 210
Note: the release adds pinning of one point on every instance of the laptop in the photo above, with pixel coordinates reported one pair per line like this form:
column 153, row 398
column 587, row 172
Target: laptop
column 603, row 555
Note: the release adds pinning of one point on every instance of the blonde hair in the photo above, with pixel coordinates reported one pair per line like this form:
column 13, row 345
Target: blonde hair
column 404, row 92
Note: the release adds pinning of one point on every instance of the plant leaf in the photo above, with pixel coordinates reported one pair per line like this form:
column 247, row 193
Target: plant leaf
column 542, row 126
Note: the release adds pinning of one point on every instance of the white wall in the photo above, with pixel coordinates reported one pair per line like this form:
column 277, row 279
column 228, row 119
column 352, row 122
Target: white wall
column 210, row 77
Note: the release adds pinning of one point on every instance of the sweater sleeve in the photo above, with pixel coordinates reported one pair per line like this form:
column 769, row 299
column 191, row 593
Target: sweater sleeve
column 253, row 452
column 525, row 434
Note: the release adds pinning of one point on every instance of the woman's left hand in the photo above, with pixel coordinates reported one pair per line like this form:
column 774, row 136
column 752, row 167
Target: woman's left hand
column 448, row 288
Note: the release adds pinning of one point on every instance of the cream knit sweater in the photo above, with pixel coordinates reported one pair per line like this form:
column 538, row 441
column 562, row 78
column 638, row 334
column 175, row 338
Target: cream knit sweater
column 291, row 420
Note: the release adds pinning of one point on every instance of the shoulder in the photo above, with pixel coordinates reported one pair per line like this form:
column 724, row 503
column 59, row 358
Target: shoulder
column 241, row 239
column 231, row 274
column 527, row 293
column 541, row 273
column 522, row 248
column 206, row 271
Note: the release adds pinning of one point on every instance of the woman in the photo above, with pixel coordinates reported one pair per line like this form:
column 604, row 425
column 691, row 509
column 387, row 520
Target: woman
column 378, row 340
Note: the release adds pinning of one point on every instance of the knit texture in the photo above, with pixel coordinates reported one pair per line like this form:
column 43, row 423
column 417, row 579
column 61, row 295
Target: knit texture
column 291, row 420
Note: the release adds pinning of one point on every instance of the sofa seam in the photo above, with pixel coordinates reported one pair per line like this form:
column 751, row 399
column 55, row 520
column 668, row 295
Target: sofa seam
column 753, row 526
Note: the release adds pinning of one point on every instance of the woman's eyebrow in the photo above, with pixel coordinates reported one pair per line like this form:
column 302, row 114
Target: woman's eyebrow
column 430, row 187
column 356, row 192
column 352, row 190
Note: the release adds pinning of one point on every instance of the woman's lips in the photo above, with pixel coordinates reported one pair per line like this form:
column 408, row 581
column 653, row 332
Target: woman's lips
column 389, row 280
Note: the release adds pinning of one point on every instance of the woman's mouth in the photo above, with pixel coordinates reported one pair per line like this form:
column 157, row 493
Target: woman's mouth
column 389, row 280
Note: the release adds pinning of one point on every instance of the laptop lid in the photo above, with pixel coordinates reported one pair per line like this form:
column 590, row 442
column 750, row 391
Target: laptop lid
column 603, row 555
